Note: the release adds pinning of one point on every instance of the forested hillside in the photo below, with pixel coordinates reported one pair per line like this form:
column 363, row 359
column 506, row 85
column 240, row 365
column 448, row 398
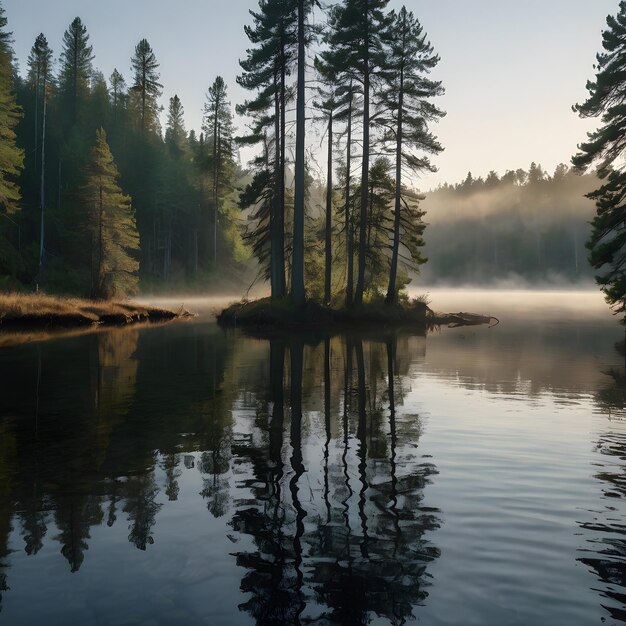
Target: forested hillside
column 524, row 227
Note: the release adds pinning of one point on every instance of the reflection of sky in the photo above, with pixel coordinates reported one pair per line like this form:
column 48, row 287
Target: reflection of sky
column 512, row 72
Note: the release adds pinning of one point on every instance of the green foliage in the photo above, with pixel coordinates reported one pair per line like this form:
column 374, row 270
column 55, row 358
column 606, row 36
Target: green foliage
column 11, row 156
column 39, row 63
column 605, row 147
column 146, row 88
column 111, row 223
column 76, row 69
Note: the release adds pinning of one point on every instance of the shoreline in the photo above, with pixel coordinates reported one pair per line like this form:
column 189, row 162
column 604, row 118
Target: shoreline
column 265, row 314
column 47, row 312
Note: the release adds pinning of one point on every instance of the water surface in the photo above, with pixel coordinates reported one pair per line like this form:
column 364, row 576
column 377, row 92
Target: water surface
column 180, row 474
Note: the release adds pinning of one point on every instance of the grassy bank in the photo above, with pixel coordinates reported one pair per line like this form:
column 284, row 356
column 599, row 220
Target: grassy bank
column 19, row 310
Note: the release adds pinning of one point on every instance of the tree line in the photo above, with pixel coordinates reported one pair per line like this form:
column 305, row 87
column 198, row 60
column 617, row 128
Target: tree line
column 95, row 195
column 525, row 226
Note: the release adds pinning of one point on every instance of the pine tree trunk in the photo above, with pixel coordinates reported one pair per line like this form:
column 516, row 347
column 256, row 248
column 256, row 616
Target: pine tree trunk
column 100, row 279
column 349, row 242
column 42, row 185
column 280, row 229
column 215, row 170
column 37, row 111
column 393, row 270
column 275, row 209
column 360, row 283
column 329, row 206
column 143, row 97
column 297, row 261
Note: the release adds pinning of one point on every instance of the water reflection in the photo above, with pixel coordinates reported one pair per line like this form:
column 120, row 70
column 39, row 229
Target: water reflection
column 345, row 540
column 604, row 552
column 300, row 461
column 297, row 444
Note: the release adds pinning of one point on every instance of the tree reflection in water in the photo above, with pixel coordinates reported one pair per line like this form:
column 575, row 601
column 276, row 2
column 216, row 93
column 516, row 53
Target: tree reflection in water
column 346, row 541
column 320, row 473
column 604, row 552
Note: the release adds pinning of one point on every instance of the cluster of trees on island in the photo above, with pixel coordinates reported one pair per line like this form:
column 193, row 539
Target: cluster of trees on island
column 96, row 197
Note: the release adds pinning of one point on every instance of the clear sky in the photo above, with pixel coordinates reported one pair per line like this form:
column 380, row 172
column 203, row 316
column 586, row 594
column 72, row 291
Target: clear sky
column 511, row 69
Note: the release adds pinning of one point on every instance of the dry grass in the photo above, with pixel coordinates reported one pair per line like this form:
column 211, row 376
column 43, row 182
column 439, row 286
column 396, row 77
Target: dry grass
column 45, row 310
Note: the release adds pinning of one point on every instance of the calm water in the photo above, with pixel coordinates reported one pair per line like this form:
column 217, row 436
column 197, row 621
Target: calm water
column 183, row 475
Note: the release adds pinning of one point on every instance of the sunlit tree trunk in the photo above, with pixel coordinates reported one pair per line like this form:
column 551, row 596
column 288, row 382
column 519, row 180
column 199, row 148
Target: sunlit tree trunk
column 329, row 207
column 297, row 261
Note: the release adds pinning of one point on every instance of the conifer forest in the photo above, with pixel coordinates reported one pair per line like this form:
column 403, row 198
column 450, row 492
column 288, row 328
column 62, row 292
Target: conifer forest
column 105, row 191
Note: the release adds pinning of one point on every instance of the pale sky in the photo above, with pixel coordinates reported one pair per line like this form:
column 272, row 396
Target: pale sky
column 511, row 70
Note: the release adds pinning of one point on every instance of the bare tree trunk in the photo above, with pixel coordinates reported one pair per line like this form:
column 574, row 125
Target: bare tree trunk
column 349, row 242
column 297, row 261
column 393, row 270
column 329, row 206
column 360, row 282
column 100, row 281
column 42, row 185
column 280, row 228
column 275, row 249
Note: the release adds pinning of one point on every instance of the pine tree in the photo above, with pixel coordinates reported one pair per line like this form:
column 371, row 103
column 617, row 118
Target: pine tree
column 337, row 101
column 11, row 157
column 357, row 27
column 175, row 133
column 112, row 225
column 146, row 87
column 119, row 97
column 606, row 147
column 39, row 74
column 117, row 89
column 265, row 70
column 218, row 129
column 76, row 68
column 406, row 96
column 327, row 105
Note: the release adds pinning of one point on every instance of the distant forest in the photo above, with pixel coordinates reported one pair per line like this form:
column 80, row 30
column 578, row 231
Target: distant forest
column 105, row 192
column 524, row 227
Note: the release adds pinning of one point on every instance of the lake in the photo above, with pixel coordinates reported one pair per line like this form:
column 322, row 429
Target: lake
column 180, row 474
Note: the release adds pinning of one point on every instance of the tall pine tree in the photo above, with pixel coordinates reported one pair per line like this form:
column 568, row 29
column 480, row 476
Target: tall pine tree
column 218, row 131
column 357, row 27
column 146, row 88
column 76, row 69
column 274, row 34
column 406, row 99
column 606, row 147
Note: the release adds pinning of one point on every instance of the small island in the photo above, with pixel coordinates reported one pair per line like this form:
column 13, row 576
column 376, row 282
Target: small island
column 267, row 314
